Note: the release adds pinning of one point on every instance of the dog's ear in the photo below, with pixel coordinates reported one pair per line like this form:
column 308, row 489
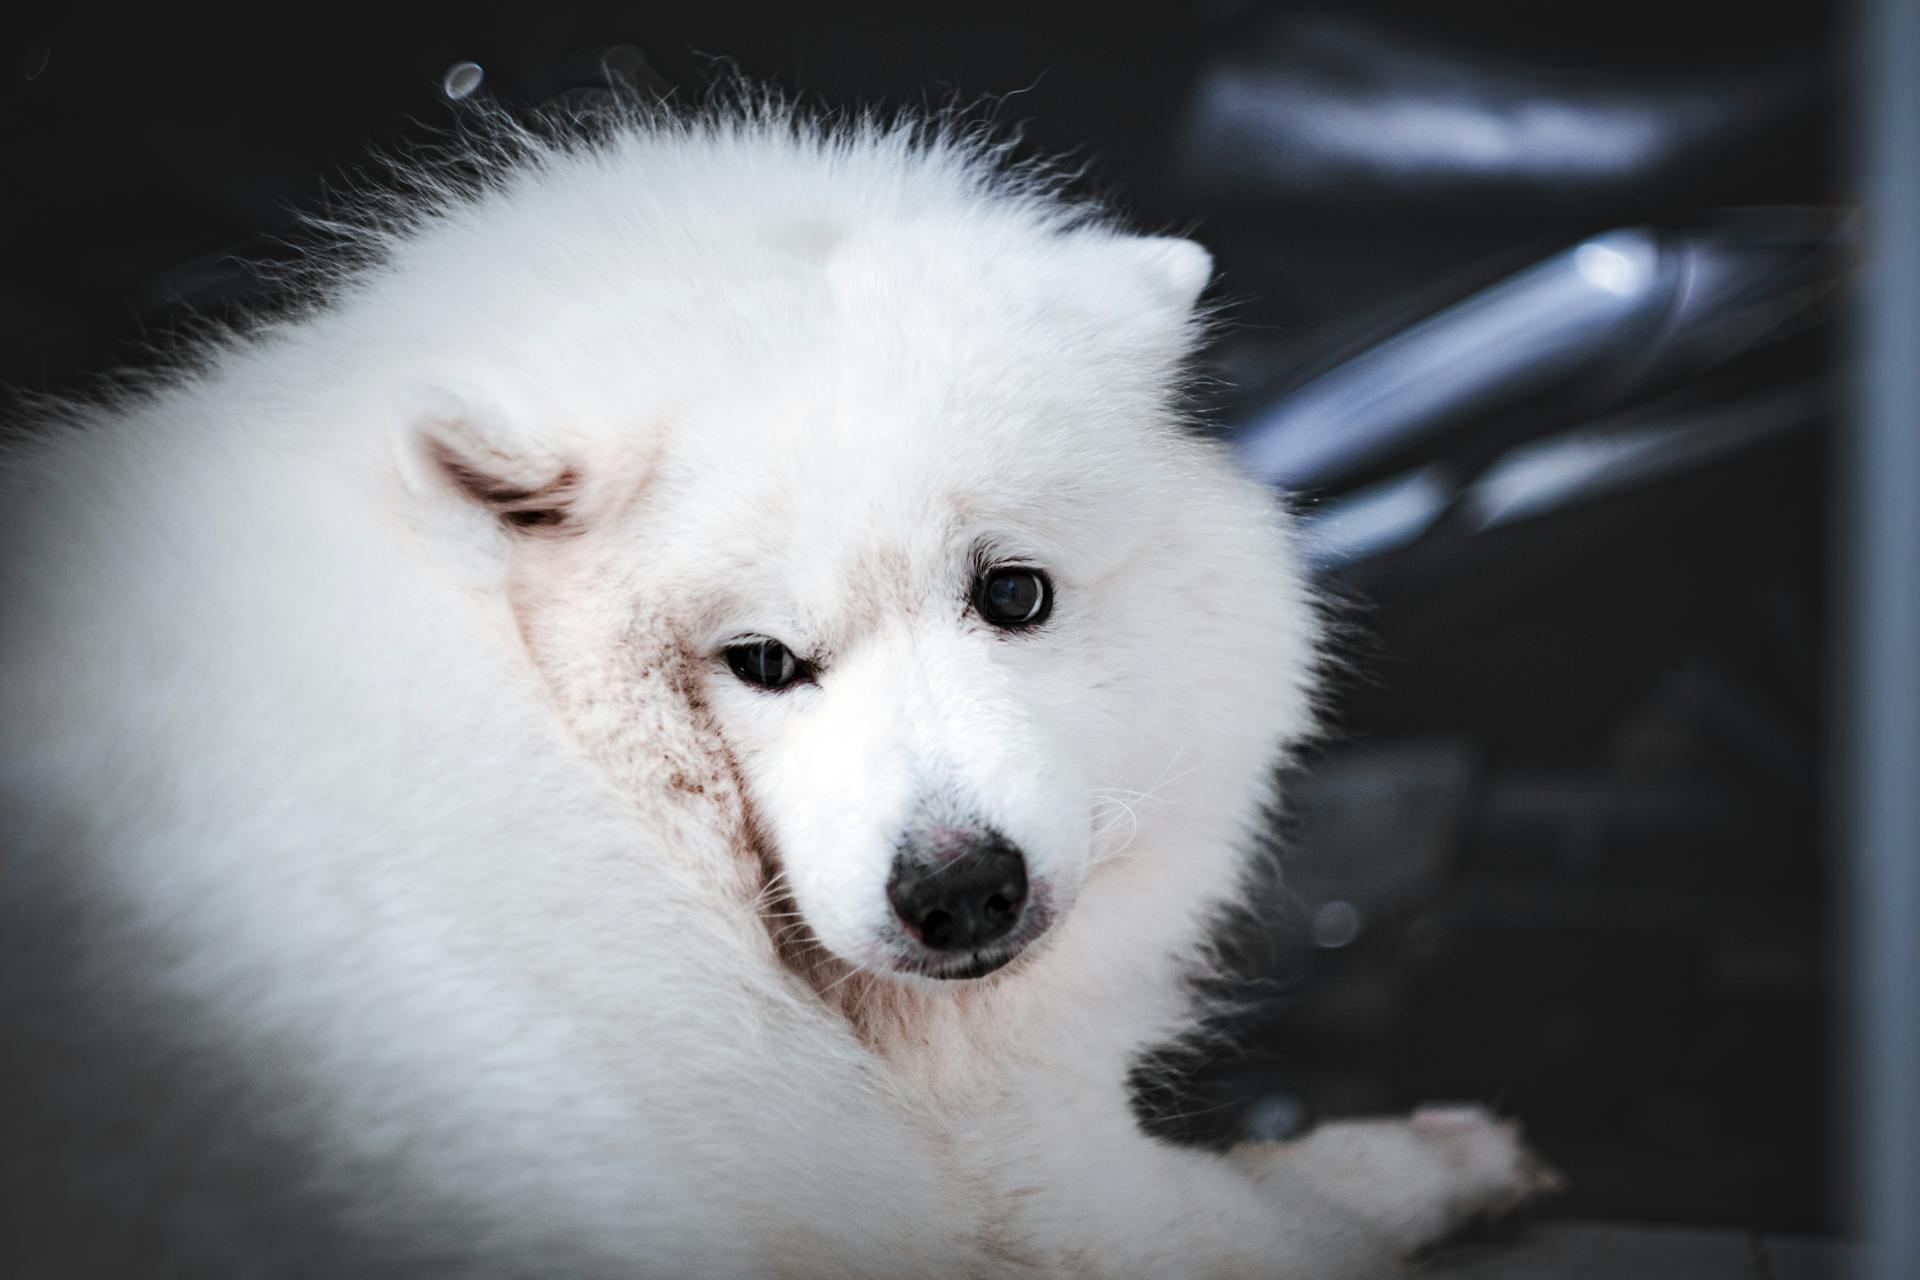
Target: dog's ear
column 1176, row 270
column 454, row 442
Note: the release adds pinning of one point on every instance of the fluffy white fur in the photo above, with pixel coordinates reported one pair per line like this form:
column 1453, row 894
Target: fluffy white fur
column 398, row 879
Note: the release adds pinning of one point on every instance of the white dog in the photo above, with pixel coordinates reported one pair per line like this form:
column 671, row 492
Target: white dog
column 689, row 717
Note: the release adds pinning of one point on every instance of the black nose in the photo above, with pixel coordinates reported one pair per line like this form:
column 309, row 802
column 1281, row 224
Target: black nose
column 959, row 890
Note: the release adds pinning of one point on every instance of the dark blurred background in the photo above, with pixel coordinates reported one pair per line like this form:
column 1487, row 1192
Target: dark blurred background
column 1533, row 305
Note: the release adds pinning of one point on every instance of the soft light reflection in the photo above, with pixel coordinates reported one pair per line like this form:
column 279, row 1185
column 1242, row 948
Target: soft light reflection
column 462, row 80
column 1622, row 264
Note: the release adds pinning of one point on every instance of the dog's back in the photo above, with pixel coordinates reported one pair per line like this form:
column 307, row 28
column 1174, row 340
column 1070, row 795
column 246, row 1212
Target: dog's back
column 324, row 954
column 410, row 869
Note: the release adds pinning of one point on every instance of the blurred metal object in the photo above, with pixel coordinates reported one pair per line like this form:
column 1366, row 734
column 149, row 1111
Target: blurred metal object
column 1366, row 113
column 1521, row 334
column 1538, row 478
column 1635, row 304
column 1882, row 803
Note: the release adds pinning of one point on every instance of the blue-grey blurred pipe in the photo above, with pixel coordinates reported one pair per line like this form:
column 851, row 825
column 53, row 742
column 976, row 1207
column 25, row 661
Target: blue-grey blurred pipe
column 1883, row 499
column 1519, row 335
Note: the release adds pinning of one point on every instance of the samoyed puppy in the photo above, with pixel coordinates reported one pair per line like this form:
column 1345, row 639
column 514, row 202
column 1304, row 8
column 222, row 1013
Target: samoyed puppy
column 686, row 713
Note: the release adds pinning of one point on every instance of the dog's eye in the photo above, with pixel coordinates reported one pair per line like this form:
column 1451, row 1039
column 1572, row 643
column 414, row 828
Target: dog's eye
column 1013, row 598
column 766, row 664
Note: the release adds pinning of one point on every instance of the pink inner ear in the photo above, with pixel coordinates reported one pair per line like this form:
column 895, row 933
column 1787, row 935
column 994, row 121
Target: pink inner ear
column 519, row 504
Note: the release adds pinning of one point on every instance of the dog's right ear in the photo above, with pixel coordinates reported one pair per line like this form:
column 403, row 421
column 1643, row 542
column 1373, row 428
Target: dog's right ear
column 453, row 443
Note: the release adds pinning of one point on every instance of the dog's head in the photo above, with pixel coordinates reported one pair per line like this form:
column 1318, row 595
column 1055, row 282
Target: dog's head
column 906, row 507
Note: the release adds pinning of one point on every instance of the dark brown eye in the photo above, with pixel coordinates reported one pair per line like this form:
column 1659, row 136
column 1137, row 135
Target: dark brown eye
column 1013, row 598
column 765, row 664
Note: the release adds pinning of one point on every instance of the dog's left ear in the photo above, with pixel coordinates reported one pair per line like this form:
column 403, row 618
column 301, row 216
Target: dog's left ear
column 1176, row 270
column 455, row 444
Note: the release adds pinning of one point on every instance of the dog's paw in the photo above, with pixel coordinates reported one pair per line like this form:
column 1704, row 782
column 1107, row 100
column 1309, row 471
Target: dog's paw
column 1492, row 1170
column 1416, row 1181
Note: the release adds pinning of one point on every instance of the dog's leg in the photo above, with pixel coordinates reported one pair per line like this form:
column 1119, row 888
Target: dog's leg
column 1414, row 1180
column 1347, row 1202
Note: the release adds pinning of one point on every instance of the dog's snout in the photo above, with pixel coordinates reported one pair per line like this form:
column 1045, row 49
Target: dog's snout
column 963, row 893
